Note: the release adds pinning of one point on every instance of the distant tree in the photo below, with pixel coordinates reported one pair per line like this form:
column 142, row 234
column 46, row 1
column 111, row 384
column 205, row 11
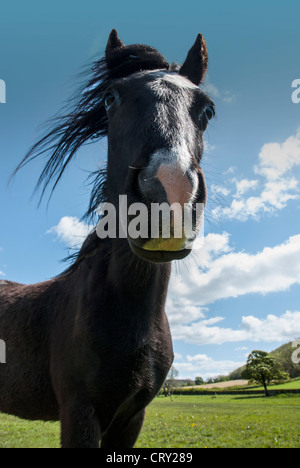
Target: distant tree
column 221, row 378
column 199, row 381
column 237, row 374
column 263, row 369
column 189, row 383
column 170, row 382
column 210, row 380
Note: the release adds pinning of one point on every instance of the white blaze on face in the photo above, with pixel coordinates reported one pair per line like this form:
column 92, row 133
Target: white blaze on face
column 174, row 78
column 172, row 167
column 173, row 99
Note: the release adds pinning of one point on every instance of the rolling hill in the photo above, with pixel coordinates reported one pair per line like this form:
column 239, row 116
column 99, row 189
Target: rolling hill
column 283, row 355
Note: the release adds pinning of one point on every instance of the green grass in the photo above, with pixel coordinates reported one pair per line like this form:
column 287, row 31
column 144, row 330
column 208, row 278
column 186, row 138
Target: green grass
column 223, row 421
column 189, row 421
column 18, row 433
column 293, row 385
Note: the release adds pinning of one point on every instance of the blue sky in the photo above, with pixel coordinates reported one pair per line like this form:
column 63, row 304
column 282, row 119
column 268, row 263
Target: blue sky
column 241, row 292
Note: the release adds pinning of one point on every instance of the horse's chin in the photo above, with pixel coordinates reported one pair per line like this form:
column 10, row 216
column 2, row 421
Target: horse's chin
column 158, row 256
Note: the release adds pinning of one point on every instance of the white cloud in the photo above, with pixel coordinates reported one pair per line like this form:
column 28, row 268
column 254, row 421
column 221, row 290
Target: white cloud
column 230, row 170
column 182, row 310
column 271, row 329
column 224, row 273
column 71, row 231
column 275, row 183
column 198, row 358
column 218, row 189
column 202, row 333
column 244, row 185
column 177, row 356
column 208, row 148
column 226, row 96
column 276, row 159
column 273, row 197
column 205, row 367
column 212, row 90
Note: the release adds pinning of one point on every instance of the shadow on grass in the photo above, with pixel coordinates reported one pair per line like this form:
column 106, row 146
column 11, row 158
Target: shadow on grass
column 250, row 397
column 264, row 397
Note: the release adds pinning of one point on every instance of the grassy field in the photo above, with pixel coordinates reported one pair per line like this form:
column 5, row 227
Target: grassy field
column 237, row 386
column 292, row 385
column 189, row 421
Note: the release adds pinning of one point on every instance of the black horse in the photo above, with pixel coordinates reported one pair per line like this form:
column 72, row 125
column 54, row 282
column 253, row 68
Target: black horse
column 92, row 347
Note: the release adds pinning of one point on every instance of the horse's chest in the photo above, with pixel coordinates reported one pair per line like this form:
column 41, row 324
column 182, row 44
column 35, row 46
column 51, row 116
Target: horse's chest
column 130, row 383
column 131, row 362
column 138, row 368
column 125, row 374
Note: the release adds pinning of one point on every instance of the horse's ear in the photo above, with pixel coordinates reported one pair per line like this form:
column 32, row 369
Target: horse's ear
column 113, row 42
column 195, row 65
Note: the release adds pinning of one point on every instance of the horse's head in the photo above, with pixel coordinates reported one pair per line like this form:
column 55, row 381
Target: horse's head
column 154, row 116
column 157, row 115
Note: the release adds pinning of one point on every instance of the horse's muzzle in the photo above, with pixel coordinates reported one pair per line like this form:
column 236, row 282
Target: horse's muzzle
column 170, row 194
column 167, row 183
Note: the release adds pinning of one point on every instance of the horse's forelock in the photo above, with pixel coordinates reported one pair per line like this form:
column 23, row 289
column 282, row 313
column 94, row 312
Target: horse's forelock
column 132, row 59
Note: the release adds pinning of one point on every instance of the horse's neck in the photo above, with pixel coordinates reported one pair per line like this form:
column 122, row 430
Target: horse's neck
column 119, row 274
column 137, row 277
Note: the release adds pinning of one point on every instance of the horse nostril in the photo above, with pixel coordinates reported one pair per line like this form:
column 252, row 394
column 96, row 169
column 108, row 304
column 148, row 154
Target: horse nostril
column 167, row 183
column 177, row 185
column 149, row 185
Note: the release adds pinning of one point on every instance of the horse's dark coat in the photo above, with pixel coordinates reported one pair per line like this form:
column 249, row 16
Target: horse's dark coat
column 92, row 347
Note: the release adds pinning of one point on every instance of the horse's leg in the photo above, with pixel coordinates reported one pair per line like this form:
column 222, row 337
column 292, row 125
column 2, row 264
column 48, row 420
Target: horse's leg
column 123, row 435
column 79, row 426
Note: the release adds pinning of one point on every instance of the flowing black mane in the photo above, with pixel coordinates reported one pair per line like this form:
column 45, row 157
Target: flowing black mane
column 87, row 120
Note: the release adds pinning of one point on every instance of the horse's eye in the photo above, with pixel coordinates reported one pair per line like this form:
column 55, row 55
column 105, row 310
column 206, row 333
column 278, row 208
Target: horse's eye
column 209, row 113
column 109, row 99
